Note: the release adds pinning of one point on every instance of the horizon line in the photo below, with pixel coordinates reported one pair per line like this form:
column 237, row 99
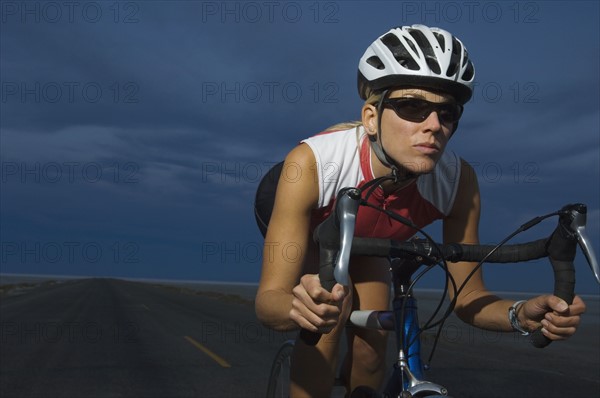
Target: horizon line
column 237, row 283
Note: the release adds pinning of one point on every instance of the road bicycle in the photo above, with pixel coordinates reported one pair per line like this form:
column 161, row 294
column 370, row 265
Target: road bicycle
column 335, row 237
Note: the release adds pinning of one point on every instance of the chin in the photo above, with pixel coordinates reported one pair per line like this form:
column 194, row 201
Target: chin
column 421, row 167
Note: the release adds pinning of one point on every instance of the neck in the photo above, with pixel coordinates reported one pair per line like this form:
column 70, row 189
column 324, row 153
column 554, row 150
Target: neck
column 379, row 170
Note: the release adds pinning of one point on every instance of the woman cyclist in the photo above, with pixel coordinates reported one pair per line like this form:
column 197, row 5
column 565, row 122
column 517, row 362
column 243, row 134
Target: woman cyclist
column 414, row 81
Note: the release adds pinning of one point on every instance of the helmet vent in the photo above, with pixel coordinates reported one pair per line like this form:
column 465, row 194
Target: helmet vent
column 375, row 62
column 469, row 72
column 433, row 65
column 391, row 41
column 465, row 57
column 440, row 39
column 400, row 53
column 454, row 63
column 425, row 46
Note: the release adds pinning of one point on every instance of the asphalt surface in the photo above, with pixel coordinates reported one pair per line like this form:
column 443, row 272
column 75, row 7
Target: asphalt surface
column 113, row 338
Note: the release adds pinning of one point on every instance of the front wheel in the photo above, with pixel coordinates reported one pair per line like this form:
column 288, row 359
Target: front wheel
column 279, row 378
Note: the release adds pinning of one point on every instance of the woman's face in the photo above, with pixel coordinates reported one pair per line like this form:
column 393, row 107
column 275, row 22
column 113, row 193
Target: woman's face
column 416, row 145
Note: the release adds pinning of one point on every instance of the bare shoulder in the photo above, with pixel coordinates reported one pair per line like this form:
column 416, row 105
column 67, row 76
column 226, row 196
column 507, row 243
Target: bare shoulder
column 298, row 183
column 461, row 225
column 467, row 173
column 301, row 156
column 468, row 187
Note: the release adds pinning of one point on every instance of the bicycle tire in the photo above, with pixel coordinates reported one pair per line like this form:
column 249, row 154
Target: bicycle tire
column 279, row 377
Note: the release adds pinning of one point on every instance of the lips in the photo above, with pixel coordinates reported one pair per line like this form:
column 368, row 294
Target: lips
column 426, row 148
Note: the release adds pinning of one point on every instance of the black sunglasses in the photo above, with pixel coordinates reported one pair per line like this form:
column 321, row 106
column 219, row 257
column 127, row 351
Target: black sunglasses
column 417, row 110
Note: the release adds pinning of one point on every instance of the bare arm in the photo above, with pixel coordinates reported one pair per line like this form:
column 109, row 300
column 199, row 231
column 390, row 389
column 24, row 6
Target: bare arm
column 286, row 299
column 475, row 304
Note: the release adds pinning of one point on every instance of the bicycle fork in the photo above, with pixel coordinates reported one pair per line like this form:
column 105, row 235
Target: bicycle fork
column 407, row 379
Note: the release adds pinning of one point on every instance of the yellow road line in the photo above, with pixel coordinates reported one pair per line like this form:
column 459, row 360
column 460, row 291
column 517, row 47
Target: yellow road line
column 208, row 352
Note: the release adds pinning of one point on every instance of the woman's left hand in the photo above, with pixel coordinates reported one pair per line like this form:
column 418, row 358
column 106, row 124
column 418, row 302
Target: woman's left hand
column 558, row 320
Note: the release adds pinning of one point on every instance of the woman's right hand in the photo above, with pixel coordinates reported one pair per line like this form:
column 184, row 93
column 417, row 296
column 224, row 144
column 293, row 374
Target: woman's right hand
column 314, row 308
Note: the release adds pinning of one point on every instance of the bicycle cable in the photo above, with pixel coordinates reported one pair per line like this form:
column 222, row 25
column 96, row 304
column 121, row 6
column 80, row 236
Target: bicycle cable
column 524, row 227
column 442, row 264
column 372, row 186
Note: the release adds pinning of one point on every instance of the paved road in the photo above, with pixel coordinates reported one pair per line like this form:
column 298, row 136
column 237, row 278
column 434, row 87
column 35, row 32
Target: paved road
column 109, row 338
column 112, row 338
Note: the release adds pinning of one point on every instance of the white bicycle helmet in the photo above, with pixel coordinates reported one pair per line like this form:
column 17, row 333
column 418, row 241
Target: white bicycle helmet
column 417, row 56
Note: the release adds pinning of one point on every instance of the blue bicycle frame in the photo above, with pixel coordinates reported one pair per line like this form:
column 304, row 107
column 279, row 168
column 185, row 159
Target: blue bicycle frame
column 406, row 324
column 411, row 342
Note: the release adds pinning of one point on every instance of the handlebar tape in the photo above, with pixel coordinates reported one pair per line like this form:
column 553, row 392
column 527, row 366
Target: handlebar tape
column 452, row 252
column 562, row 246
column 504, row 254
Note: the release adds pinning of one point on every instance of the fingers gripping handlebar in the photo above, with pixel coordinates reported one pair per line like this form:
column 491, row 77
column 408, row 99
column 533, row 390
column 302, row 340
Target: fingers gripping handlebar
column 344, row 214
column 561, row 250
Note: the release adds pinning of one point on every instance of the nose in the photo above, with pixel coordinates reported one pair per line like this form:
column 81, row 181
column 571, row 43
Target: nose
column 432, row 122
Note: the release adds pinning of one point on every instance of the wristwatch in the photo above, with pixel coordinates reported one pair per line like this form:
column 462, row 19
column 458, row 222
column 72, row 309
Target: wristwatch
column 514, row 321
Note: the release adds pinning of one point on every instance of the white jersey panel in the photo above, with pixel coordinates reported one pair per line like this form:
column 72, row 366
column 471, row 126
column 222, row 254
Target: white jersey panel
column 338, row 162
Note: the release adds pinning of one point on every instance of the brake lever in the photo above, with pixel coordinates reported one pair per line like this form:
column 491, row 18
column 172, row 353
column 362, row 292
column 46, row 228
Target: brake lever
column 347, row 209
column 578, row 213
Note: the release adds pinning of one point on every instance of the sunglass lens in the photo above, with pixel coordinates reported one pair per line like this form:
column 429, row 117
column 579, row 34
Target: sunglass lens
column 449, row 113
column 417, row 110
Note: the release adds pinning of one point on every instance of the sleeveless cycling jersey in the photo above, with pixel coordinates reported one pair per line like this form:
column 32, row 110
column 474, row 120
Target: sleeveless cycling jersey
column 344, row 160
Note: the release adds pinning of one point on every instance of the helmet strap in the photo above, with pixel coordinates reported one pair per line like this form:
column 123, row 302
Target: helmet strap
column 398, row 172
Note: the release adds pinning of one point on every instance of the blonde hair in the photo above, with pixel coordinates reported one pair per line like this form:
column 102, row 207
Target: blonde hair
column 372, row 99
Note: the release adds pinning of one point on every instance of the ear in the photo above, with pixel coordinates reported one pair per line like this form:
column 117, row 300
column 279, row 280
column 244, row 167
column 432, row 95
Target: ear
column 369, row 119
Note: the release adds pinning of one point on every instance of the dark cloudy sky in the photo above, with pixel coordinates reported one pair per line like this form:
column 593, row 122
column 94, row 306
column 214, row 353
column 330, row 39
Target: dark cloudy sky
column 134, row 133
